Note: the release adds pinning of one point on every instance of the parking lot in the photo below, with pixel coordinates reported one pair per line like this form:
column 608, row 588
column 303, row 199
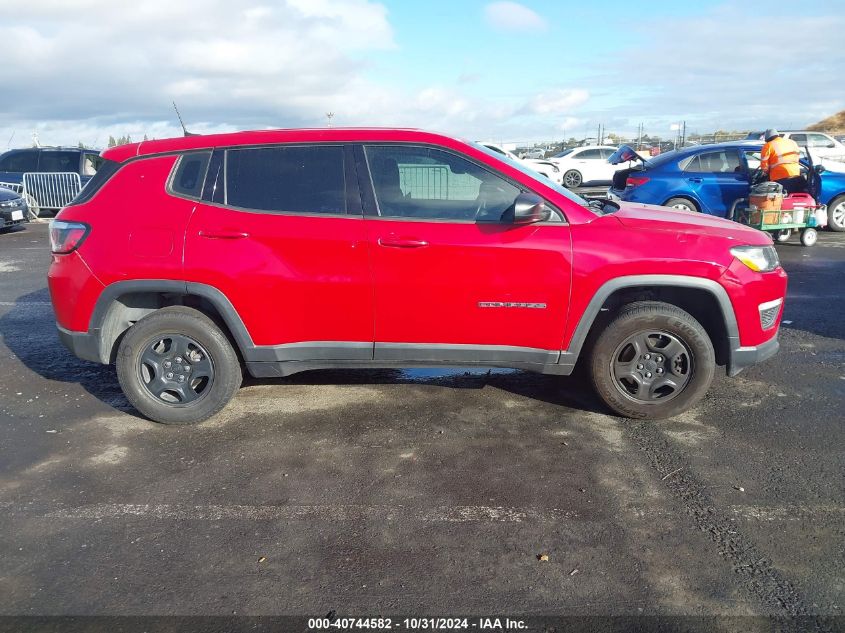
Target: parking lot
column 427, row 491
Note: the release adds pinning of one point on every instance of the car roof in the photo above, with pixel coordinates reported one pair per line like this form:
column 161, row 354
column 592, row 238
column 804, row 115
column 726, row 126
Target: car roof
column 122, row 153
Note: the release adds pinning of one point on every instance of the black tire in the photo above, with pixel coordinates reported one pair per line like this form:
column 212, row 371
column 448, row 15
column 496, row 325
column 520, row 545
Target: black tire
column 691, row 370
column 809, row 236
column 211, row 350
column 682, row 203
column 782, row 236
column 572, row 179
column 836, row 214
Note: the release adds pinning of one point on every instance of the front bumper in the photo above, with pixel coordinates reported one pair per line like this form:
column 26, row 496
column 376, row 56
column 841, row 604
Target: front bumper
column 12, row 217
column 743, row 357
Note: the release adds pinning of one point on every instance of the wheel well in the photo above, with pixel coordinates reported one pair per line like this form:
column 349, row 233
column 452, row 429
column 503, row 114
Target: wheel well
column 701, row 304
column 687, row 198
column 125, row 310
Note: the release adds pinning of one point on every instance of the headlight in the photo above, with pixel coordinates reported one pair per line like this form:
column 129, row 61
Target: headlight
column 761, row 259
column 14, row 202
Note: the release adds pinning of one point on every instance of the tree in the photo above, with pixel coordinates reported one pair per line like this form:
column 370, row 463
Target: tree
column 112, row 142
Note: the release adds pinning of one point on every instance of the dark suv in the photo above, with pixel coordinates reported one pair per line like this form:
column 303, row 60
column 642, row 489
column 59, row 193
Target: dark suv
column 16, row 162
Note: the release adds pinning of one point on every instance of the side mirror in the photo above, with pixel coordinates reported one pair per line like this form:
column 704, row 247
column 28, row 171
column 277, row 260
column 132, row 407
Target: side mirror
column 530, row 208
column 820, row 169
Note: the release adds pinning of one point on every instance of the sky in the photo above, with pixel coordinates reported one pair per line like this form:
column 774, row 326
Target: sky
column 539, row 70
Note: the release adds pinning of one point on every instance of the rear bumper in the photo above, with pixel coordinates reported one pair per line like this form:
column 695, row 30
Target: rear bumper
column 83, row 345
column 743, row 357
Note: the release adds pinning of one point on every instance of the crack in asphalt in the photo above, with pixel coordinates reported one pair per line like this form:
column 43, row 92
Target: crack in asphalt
column 762, row 581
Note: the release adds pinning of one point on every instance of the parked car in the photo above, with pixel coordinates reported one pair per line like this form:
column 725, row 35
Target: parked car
column 544, row 167
column 16, row 162
column 13, row 210
column 710, row 178
column 536, row 153
column 586, row 166
column 291, row 250
column 822, row 146
column 48, row 193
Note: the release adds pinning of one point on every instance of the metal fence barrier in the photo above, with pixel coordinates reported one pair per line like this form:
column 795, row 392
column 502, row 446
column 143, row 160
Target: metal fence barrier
column 51, row 190
column 14, row 186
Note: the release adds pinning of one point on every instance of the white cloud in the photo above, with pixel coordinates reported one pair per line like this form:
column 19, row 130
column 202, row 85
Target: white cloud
column 512, row 16
column 560, row 101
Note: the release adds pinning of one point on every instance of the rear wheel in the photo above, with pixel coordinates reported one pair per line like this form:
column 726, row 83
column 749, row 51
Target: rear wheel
column 572, row 178
column 836, row 214
column 681, row 203
column 652, row 361
column 783, row 235
column 176, row 366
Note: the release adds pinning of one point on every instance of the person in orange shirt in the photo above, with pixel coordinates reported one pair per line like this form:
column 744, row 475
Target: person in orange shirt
column 779, row 159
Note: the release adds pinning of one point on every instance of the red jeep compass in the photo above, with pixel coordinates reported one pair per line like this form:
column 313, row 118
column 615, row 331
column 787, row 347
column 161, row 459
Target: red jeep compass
column 184, row 260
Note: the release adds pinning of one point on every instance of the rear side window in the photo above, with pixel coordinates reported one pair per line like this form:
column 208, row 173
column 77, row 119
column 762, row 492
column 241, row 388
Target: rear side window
column 108, row 168
column 714, row 162
column 20, row 161
column 190, row 174
column 292, row 179
column 589, row 154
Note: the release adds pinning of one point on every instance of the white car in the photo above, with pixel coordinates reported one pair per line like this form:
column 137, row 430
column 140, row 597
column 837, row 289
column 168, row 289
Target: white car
column 823, row 147
column 586, row 165
column 544, row 167
column 535, row 154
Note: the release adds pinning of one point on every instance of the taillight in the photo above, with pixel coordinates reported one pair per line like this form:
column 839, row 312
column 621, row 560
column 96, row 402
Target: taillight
column 635, row 181
column 66, row 237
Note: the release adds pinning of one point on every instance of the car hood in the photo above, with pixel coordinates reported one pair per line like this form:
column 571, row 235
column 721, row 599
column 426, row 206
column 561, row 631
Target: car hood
column 649, row 217
column 8, row 194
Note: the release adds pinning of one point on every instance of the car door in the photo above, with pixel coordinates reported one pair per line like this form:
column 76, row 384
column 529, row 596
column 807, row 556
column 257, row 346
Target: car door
column 279, row 231
column 588, row 161
column 716, row 178
column 454, row 278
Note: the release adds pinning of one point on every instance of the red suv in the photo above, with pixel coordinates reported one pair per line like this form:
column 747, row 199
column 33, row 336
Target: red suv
column 185, row 260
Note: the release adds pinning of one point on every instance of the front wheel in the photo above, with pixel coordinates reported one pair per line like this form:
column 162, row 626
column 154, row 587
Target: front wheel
column 176, row 366
column 572, row 179
column 809, row 237
column 652, row 361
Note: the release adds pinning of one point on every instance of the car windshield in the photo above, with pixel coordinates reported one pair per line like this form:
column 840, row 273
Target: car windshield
column 533, row 174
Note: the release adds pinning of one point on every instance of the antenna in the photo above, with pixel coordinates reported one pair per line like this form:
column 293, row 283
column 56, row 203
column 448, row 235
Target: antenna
column 329, row 116
column 179, row 116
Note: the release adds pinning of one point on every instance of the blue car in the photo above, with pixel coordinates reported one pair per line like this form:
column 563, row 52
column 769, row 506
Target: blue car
column 709, row 179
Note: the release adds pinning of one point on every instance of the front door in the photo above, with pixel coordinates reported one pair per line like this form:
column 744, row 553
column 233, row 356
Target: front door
column 454, row 279
column 278, row 235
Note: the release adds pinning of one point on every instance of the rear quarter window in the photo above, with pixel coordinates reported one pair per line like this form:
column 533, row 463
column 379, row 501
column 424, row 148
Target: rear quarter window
column 189, row 175
column 107, row 169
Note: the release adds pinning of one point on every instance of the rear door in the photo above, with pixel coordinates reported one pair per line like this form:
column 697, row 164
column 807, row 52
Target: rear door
column 279, row 231
column 454, row 279
column 717, row 178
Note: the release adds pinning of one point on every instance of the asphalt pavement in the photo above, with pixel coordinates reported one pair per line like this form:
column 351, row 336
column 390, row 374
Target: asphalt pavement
column 423, row 492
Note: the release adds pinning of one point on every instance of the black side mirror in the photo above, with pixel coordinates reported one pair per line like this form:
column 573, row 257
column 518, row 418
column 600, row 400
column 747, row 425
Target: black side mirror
column 820, row 169
column 530, row 208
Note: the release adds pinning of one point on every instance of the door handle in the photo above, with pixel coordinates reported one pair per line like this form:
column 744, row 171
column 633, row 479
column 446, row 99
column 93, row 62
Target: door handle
column 223, row 235
column 401, row 242
column 694, row 179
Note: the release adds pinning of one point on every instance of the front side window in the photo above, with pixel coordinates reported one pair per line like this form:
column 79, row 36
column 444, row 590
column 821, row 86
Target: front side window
column 190, row 174
column 714, row 162
column 801, row 139
column 23, row 161
column 51, row 162
column 428, row 183
column 91, row 163
column 292, row 179
column 820, row 140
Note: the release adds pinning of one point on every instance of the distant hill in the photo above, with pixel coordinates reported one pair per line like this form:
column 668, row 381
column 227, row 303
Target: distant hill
column 835, row 123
